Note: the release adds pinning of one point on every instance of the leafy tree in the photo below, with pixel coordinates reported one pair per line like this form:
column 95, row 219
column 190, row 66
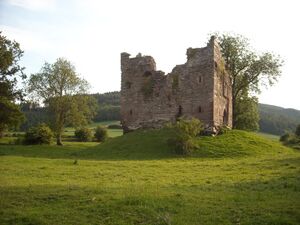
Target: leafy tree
column 247, row 116
column 10, row 71
column 64, row 94
column 248, row 69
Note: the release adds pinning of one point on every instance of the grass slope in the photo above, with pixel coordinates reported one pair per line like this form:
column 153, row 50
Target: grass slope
column 237, row 178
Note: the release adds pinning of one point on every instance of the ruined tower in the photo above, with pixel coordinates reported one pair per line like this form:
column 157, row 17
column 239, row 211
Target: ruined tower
column 200, row 88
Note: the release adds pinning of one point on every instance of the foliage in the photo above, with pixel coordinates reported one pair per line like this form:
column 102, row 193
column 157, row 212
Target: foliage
column 184, row 130
column 10, row 115
column 10, row 71
column 34, row 115
column 292, row 139
column 286, row 137
column 107, row 112
column 40, row 134
column 248, row 70
column 83, row 134
column 101, row 133
column 109, row 106
column 247, row 115
column 224, row 130
column 109, row 98
column 277, row 120
column 63, row 91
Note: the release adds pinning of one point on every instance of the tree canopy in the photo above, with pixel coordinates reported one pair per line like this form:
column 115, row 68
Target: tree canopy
column 249, row 71
column 10, row 72
column 64, row 94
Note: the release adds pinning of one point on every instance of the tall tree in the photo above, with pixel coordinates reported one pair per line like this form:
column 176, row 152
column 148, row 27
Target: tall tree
column 63, row 93
column 10, row 71
column 248, row 69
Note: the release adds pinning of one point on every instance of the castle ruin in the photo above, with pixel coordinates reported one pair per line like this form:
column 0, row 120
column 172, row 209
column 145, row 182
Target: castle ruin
column 200, row 88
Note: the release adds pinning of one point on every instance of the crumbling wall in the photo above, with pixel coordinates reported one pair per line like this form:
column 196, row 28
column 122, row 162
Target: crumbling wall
column 149, row 98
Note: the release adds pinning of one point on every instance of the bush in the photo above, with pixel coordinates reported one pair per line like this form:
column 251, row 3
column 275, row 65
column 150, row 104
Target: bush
column 224, row 130
column 290, row 139
column 83, row 134
column 114, row 126
column 285, row 138
column 40, row 134
column 100, row 133
column 183, row 133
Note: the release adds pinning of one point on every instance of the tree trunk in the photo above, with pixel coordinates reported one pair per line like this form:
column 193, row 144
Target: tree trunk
column 58, row 139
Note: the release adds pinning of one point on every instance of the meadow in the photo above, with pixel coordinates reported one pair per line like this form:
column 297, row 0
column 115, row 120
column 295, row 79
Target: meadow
column 235, row 178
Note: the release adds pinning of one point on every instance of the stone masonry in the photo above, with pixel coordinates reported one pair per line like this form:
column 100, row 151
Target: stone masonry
column 200, row 88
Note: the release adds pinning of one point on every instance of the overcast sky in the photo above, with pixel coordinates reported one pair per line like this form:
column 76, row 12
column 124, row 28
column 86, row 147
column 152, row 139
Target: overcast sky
column 92, row 34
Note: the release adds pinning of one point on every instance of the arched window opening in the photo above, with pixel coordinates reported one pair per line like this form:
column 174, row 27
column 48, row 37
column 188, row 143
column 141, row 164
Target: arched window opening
column 199, row 109
column 200, row 79
column 130, row 112
column 179, row 113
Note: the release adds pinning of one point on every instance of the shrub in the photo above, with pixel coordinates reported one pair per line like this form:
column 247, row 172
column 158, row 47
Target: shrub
column 83, row 134
column 224, row 129
column 100, row 133
column 290, row 139
column 114, row 126
column 40, row 134
column 285, row 138
column 183, row 133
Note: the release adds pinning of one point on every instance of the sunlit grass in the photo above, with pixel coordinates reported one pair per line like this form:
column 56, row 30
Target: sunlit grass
column 237, row 178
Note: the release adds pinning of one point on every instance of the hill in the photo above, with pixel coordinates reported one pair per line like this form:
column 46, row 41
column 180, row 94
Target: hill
column 277, row 120
column 235, row 178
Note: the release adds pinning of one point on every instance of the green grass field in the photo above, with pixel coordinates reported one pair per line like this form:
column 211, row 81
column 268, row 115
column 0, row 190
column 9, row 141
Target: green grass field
column 236, row 178
column 69, row 131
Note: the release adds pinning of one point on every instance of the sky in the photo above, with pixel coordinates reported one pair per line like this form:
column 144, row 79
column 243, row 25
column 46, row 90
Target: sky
column 93, row 33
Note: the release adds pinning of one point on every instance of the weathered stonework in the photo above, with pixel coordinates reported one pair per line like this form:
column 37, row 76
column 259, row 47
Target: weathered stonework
column 200, row 88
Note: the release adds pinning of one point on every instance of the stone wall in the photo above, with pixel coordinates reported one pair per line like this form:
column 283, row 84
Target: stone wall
column 200, row 88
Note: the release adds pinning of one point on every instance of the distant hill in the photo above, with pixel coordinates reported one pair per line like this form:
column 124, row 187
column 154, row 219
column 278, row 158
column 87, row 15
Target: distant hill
column 277, row 120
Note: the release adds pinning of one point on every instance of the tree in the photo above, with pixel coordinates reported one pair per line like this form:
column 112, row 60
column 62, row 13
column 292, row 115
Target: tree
column 10, row 71
column 248, row 70
column 64, row 95
column 247, row 115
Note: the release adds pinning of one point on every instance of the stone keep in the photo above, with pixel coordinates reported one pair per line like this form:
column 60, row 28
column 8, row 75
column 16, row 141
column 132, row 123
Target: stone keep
column 200, row 88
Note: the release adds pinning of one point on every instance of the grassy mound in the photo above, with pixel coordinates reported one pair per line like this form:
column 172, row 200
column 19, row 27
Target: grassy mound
column 152, row 144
